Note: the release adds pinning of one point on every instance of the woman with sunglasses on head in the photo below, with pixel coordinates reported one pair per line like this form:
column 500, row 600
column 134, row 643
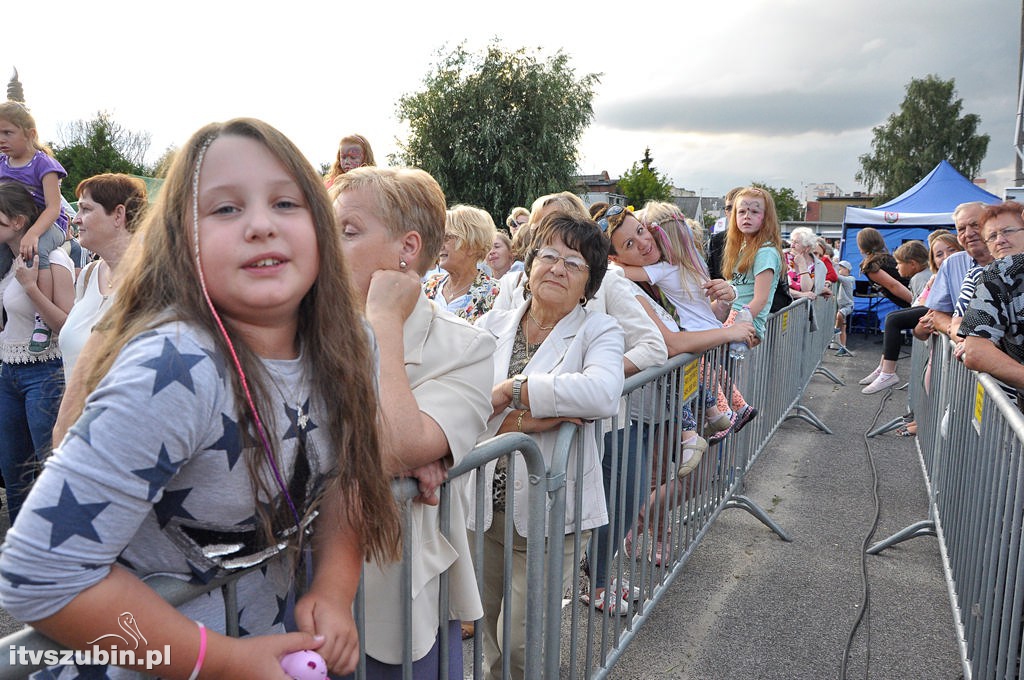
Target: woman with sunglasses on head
column 556, row 361
column 661, row 251
column 664, row 253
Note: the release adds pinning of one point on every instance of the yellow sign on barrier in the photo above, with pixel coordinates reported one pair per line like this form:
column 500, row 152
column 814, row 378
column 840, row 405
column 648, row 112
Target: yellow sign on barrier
column 691, row 376
column 979, row 404
column 785, row 321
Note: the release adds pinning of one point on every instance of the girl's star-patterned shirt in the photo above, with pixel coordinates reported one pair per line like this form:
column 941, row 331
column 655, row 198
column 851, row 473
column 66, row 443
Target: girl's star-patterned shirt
column 153, row 474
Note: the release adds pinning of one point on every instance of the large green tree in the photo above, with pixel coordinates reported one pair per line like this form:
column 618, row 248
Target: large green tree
column 787, row 203
column 90, row 147
column 497, row 128
column 642, row 182
column 928, row 128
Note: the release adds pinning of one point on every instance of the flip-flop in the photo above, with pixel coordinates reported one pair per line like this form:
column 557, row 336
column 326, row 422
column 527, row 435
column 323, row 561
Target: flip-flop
column 904, row 432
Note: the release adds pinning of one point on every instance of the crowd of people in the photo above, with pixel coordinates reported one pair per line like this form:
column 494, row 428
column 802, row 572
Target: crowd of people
column 313, row 338
column 955, row 285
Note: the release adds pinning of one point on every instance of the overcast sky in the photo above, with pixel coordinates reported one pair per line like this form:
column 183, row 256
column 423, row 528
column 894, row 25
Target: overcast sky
column 723, row 92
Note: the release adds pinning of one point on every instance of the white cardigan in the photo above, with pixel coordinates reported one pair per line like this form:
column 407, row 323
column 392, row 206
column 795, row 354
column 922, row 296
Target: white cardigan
column 448, row 363
column 576, row 373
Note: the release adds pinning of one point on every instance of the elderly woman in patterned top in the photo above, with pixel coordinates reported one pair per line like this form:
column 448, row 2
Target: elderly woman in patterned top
column 556, row 361
column 464, row 290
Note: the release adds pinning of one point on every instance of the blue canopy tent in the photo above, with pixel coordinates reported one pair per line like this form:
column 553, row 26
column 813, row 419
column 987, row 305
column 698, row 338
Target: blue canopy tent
column 921, row 209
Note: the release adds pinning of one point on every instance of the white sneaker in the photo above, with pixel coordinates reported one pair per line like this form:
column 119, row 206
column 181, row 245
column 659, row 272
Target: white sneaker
column 870, row 377
column 882, row 382
column 618, row 598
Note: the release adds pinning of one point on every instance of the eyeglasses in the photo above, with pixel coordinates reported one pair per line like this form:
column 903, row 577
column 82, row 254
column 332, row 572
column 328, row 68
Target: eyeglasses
column 612, row 212
column 1005, row 233
column 551, row 257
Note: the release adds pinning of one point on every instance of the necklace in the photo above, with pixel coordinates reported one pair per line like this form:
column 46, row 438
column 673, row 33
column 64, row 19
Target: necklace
column 543, row 328
column 110, row 281
column 528, row 348
column 456, row 294
column 301, row 417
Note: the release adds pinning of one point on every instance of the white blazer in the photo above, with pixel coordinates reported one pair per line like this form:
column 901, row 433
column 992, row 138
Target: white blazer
column 576, row 373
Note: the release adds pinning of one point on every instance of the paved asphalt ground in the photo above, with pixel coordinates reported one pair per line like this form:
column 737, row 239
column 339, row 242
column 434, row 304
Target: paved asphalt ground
column 751, row 606
column 748, row 605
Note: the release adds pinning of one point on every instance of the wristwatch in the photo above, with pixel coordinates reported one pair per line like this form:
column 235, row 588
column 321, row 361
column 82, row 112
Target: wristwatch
column 517, row 391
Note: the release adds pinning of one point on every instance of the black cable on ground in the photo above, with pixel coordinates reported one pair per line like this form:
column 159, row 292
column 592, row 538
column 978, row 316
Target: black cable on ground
column 866, row 598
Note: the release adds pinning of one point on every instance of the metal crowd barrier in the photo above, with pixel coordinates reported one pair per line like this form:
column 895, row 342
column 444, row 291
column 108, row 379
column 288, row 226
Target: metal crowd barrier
column 772, row 378
column 970, row 440
column 577, row 640
column 507, row 445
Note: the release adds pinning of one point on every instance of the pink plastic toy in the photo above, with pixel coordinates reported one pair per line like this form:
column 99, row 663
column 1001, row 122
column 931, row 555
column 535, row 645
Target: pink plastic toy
column 304, row 665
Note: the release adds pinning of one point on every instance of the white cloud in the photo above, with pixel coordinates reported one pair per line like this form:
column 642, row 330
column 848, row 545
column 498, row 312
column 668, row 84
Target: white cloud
column 784, row 92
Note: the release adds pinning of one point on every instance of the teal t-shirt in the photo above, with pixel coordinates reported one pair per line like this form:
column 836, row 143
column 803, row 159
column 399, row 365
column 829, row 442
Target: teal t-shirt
column 767, row 258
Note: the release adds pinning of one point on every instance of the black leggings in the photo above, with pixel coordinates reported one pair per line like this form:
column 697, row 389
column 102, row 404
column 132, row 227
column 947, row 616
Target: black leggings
column 895, row 323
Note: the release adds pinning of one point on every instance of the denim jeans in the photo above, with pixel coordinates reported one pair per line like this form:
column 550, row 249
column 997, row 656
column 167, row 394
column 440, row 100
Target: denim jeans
column 29, row 398
column 630, row 462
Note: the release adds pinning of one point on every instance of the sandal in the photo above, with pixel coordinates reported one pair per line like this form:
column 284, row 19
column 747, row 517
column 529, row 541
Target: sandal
column 905, row 432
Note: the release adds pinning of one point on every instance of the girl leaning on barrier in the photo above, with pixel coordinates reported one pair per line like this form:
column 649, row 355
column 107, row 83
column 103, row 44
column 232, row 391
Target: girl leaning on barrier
column 229, row 411
column 556, row 361
column 752, row 260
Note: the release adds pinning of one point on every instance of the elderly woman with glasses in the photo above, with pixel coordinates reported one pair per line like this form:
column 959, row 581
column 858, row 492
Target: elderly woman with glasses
column 990, row 329
column 465, row 290
column 556, row 361
column 805, row 270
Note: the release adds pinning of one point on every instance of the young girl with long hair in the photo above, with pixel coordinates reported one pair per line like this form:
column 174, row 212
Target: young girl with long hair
column 879, row 266
column 230, row 402
column 752, row 257
column 353, row 152
column 24, row 159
